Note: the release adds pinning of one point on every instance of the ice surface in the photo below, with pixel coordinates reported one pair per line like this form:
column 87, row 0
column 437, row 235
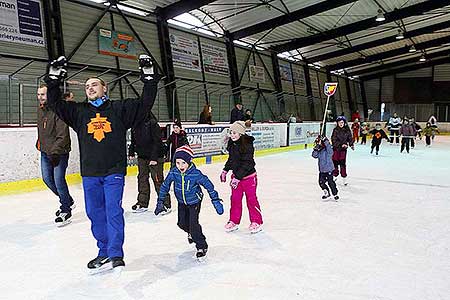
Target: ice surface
column 388, row 237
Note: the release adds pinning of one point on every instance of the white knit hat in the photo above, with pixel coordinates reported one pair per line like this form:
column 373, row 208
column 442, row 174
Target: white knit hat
column 239, row 127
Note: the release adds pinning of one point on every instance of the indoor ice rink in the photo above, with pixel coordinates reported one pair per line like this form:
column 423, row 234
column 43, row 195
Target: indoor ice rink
column 93, row 89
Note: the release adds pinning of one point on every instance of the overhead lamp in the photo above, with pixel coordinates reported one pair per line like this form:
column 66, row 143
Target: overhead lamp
column 400, row 35
column 412, row 49
column 422, row 58
column 380, row 16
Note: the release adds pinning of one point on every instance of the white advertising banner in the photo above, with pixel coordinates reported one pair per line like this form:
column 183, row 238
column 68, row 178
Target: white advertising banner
column 256, row 74
column 21, row 22
column 215, row 59
column 266, row 136
column 185, row 53
column 207, row 140
column 303, row 133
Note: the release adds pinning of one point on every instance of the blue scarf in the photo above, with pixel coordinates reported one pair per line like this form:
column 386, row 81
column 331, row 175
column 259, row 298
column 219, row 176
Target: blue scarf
column 99, row 101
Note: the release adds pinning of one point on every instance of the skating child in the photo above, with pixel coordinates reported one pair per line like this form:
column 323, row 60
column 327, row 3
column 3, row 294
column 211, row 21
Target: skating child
column 378, row 135
column 418, row 132
column 407, row 132
column 323, row 152
column 356, row 127
column 341, row 139
column 429, row 132
column 187, row 181
column 243, row 180
column 364, row 132
column 176, row 139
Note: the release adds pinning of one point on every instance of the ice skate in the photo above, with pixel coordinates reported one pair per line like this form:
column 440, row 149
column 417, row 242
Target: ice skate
column 63, row 219
column 255, row 228
column 137, row 208
column 99, row 264
column 189, row 238
column 336, row 198
column 230, row 227
column 344, row 181
column 117, row 264
column 201, row 254
column 166, row 211
column 326, row 195
column 72, row 207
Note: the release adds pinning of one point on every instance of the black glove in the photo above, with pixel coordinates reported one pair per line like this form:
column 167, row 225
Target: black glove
column 57, row 69
column 54, row 159
column 146, row 68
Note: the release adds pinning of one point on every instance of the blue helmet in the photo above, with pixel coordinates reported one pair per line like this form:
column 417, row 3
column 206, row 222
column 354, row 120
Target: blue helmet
column 341, row 118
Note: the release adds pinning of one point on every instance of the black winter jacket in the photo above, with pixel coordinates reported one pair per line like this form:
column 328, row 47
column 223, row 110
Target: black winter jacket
column 146, row 140
column 241, row 157
column 236, row 115
column 175, row 141
column 102, row 130
column 341, row 136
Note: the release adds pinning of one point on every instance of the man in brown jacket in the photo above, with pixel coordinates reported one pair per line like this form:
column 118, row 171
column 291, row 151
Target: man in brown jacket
column 54, row 145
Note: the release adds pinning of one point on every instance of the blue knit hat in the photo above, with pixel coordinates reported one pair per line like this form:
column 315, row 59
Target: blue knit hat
column 185, row 153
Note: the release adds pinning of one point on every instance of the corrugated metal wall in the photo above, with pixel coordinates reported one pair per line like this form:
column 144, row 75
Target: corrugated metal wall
column 424, row 72
column 442, row 73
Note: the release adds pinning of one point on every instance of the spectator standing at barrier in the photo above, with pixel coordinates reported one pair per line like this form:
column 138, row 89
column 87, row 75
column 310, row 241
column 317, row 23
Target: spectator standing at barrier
column 394, row 125
column 68, row 96
column 146, row 142
column 243, row 180
column 341, row 139
column 237, row 113
column 176, row 139
column 101, row 126
column 355, row 116
column 407, row 132
column 206, row 115
column 54, row 144
column 248, row 118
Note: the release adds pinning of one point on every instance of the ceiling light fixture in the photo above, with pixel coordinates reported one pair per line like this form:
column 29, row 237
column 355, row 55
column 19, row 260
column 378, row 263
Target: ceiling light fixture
column 422, row 58
column 400, row 35
column 412, row 49
column 380, row 16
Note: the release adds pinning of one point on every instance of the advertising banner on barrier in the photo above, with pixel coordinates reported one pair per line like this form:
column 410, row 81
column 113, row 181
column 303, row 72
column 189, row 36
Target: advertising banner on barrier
column 266, row 136
column 207, row 140
column 21, row 22
column 215, row 59
column 303, row 133
column 114, row 43
column 185, row 53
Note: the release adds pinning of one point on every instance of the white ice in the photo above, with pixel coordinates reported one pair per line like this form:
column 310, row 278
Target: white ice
column 388, row 237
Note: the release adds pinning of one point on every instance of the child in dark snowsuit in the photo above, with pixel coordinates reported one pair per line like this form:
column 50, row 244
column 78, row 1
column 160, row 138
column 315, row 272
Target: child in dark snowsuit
column 323, row 152
column 341, row 139
column 429, row 132
column 364, row 132
column 407, row 132
column 378, row 135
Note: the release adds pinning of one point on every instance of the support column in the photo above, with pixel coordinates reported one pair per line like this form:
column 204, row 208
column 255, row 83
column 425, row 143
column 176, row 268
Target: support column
column 364, row 99
column 278, row 85
column 167, row 66
column 309, row 94
column 351, row 103
column 232, row 66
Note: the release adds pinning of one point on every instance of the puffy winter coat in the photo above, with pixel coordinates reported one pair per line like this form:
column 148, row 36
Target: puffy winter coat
column 341, row 136
column 146, row 140
column 408, row 130
column 324, row 155
column 240, row 157
column 187, row 186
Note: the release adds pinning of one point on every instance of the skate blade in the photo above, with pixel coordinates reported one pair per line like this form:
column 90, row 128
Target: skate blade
column 103, row 269
column 165, row 213
column 256, row 231
column 201, row 259
column 65, row 223
column 231, row 230
column 139, row 211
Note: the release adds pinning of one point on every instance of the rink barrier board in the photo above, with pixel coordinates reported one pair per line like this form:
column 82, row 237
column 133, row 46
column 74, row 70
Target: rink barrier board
column 36, row 184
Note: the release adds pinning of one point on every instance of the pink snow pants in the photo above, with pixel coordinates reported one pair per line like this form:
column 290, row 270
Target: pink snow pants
column 248, row 186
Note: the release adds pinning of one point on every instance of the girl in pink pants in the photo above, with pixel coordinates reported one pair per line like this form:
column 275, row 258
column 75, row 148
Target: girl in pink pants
column 243, row 180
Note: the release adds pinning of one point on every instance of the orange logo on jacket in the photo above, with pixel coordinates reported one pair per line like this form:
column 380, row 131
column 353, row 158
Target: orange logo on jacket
column 99, row 126
column 378, row 135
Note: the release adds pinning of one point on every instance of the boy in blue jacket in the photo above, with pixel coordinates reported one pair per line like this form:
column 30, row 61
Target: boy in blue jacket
column 187, row 181
column 324, row 152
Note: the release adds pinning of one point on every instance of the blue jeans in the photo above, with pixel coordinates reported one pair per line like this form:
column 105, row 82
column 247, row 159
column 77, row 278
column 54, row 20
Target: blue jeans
column 55, row 179
column 103, row 199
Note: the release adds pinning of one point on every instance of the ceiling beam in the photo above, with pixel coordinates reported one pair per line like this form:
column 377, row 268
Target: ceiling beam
column 182, row 6
column 430, row 63
column 394, row 15
column 388, row 54
column 379, row 42
column 290, row 17
column 400, row 63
